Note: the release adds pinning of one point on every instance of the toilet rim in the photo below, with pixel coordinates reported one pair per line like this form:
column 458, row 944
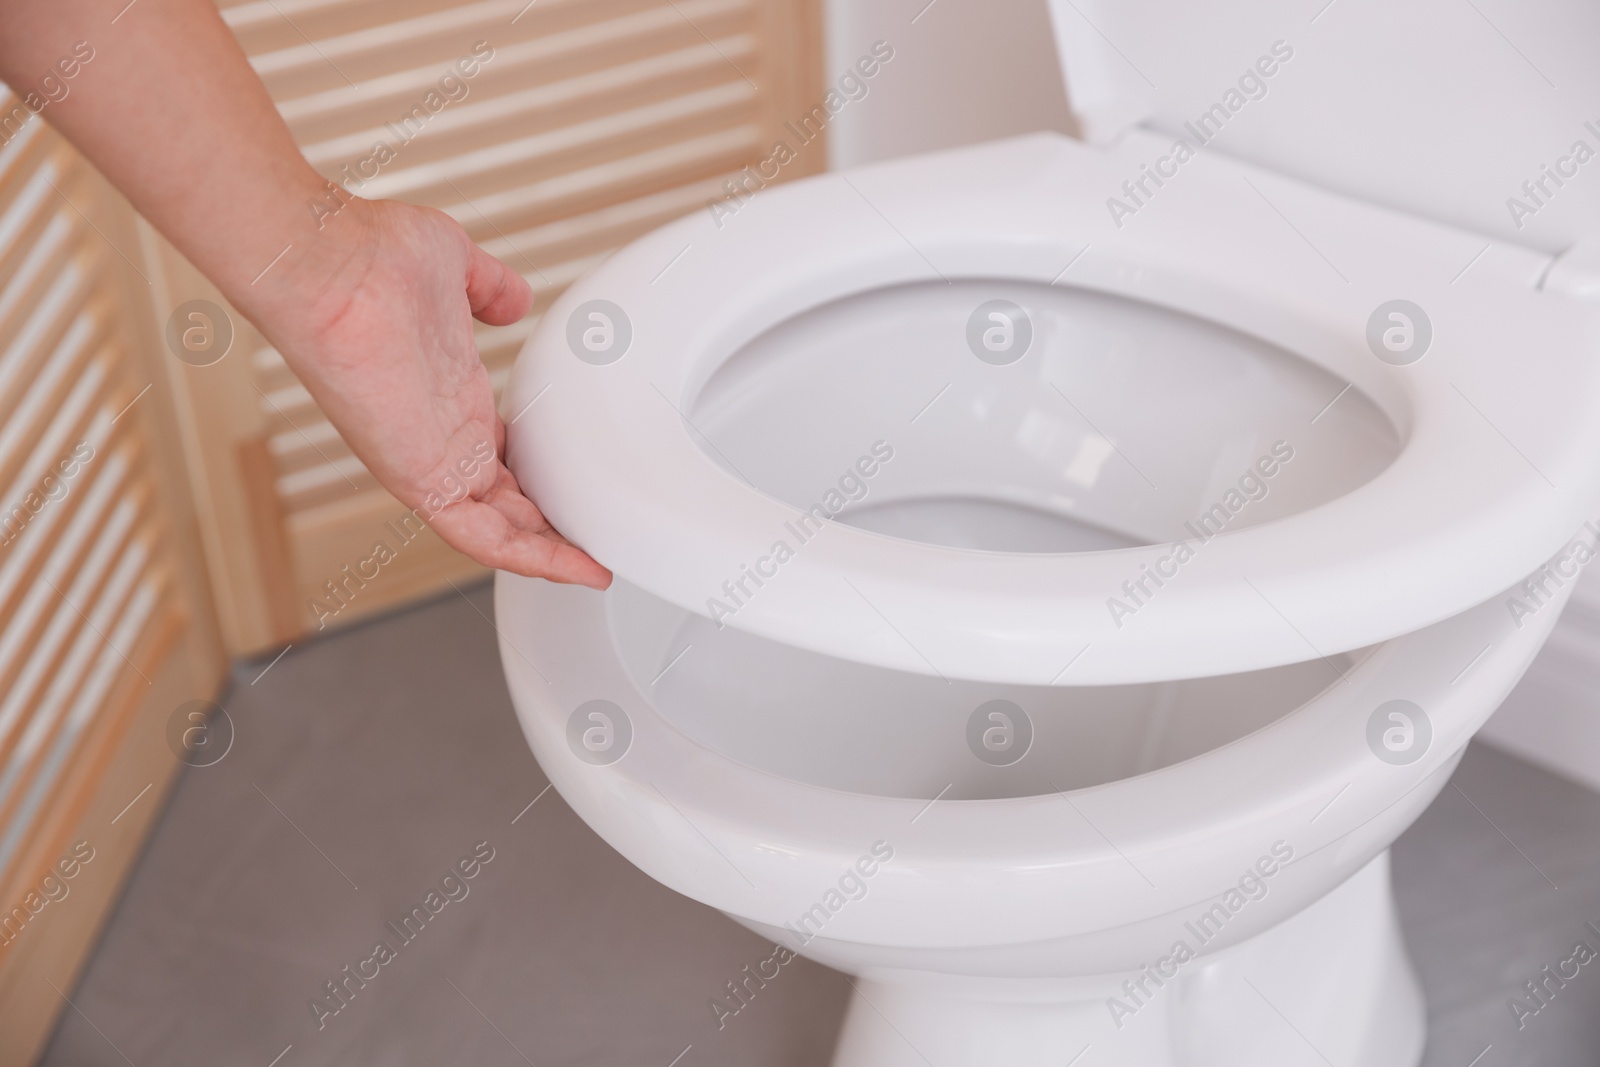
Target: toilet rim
column 1492, row 477
column 762, row 846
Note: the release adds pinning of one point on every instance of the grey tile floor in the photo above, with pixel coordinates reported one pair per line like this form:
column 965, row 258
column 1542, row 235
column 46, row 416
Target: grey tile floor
column 368, row 763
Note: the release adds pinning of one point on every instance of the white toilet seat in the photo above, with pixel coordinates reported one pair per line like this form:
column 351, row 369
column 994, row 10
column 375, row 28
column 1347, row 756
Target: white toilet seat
column 1032, row 868
column 1492, row 479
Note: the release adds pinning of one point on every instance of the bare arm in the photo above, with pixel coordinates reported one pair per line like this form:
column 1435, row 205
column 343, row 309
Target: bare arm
column 372, row 306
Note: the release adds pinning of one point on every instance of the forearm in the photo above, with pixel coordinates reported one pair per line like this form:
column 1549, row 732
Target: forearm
column 170, row 111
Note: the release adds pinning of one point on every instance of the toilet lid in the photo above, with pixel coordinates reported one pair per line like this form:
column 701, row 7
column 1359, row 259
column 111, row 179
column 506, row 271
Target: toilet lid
column 1479, row 115
column 1499, row 421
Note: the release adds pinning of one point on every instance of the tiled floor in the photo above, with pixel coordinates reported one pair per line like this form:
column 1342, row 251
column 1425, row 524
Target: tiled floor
column 368, row 763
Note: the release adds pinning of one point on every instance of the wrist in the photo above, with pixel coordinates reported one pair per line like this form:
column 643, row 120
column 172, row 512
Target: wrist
column 321, row 256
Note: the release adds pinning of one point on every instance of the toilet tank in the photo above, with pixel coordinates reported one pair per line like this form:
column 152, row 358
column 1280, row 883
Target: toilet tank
column 1483, row 114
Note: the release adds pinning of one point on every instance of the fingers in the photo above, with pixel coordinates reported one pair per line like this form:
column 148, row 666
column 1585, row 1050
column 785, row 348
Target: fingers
column 551, row 553
column 544, row 557
column 498, row 295
column 505, row 531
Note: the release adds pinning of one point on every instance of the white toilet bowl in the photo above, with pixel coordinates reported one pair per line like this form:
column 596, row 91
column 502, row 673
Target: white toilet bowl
column 1047, row 620
column 1017, row 908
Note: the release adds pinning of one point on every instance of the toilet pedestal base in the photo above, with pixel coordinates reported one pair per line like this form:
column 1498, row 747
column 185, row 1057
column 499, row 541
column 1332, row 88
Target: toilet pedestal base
column 1333, row 984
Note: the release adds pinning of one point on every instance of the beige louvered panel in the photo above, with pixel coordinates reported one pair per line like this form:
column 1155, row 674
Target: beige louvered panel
column 594, row 122
column 101, row 627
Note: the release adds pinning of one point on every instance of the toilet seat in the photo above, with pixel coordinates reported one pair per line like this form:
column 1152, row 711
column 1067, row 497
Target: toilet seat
column 1032, row 868
column 1493, row 477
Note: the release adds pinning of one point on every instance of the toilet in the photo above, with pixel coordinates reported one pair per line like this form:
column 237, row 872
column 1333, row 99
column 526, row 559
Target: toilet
column 1044, row 592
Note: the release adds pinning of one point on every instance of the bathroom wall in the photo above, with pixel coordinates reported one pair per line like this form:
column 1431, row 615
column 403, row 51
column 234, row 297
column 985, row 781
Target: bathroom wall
column 965, row 71
column 1550, row 718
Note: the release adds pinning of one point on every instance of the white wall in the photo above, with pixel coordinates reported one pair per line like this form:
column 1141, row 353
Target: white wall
column 1552, row 718
column 964, row 71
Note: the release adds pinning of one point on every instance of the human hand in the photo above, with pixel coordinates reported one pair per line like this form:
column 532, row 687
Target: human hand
column 371, row 306
column 376, row 319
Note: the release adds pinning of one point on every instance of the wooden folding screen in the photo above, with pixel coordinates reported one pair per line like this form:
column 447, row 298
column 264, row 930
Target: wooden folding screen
column 105, row 625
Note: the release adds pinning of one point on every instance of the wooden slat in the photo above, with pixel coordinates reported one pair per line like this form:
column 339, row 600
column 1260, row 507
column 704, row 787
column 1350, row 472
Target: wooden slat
column 606, row 185
column 47, row 348
column 41, row 561
column 263, row 26
column 33, row 437
column 121, row 754
column 95, row 631
column 56, row 610
column 44, row 235
column 29, row 169
column 606, row 139
column 48, row 241
column 532, row 74
column 84, row 705
column 317, row 55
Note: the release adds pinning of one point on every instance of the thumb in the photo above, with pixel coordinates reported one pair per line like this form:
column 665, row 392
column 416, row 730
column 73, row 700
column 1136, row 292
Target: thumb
column 497, row 294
